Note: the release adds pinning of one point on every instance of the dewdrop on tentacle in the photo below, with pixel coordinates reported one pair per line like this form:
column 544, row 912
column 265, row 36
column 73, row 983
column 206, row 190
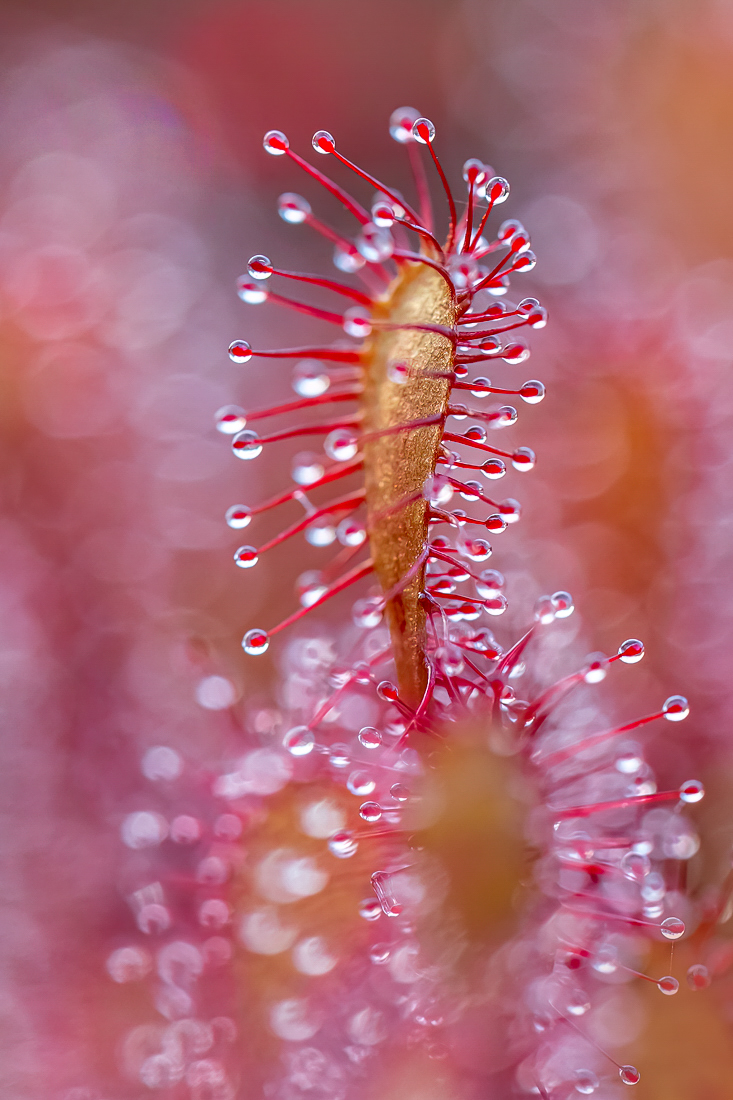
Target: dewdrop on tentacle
column 405, row 443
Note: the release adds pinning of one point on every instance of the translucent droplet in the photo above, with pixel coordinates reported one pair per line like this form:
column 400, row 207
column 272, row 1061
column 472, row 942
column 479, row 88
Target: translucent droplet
column 255, row 642
column 496, row 523
column 532, row 392
column 370, row 811
column 245, row 557
column 387, row 690
column 523, row 459
column 347, row 258
column 596, row 668
column 676, row 708
column 246, row 444
column 698, row 977
column 383, row 214
column 692, row 791
column 497, row 190
column 260, row 267
column 253, row 294
column 238, row 516
column 668, row 985
column 310, row 587
column 380, row 953
column 275, row 143
column 494, row 468
column 357, row 322
column 474, row 171
column 370, row 737
column 240, row 351
column 339, row 756
column 370, row 909
column 401, row 122
column 144, row 829
column 654, row 887
column 399, row 792
column 306, row 468
column 360, row 783
column 635, row 866
column 563, row 604
column 299, row 741
column 129, row 964
column 585, row 1082
column 161, row 763
column 323, row 142
column 398, row 371
column 423, row 131
column 525, row 261
column 351, row 532
column 341, row 444
column 367, row 613
column 475, row 549
column 629, row 1075
column 310, row 378
column 490, row 582
column 476, row 433
column 519, row 241
column 374, row 244
column 342, row 844
column 321, row 532
column 516, row 352
column 606, row 959
column 672, row 928
column 631, row 651
column 293, row 208
column 544, row 610
column 437, row 490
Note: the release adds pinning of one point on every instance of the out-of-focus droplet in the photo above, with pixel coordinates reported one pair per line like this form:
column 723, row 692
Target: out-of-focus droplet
column 401, row 122
column 585, row 1082
column 293, row 208
column 668, row 985
column 230, row 419
column 144, row 829
column 161, row 763
column 129, row 964
column 698, row 977
column 692, row 791
column 299, row 741
column 341, row 444
column 596, row 668
column 246, row 557
column 343, row 844
column 310, row 378
column 360, row 783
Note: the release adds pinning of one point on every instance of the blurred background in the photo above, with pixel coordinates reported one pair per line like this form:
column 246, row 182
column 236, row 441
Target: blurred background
column 133, row 188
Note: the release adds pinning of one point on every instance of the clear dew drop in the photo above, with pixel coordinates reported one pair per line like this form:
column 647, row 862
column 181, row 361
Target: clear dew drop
column 563, row 604
column 275, row 143
column 532, row 392
column 698, row 977
column 692, row 791
column 497, row 190
column 293, row 208
column 310, row 378
column 423, row 131
column 401, row 122
column 246, row 557
column 635, row 866
column 668, row 985
column 523, row 459
column 238, row 516
column 240, row 351
column 299, row 741
column 494, row 468
column 399, row 792
column 380, row 953
column 246, row 445
column 323, row 142
column 631, row 651
column 255, row 642
column 585, row 1082
column 676, row 708
column 496, row 523
column 516, row 352
column 370, row 811
column 370, row 737
column 629, row 1075
column 672, row 928
column 260, row 267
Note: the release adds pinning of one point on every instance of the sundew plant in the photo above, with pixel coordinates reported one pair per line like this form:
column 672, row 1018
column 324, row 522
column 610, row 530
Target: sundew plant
column 429, row 873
